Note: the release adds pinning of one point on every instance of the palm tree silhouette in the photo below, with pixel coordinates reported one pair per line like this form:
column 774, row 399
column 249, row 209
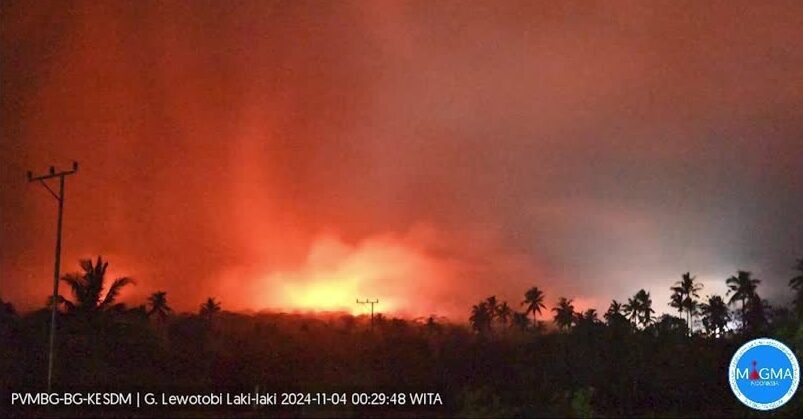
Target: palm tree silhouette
column 676, row 299
column 631, row 310
column 639, row 308
column 504, row 313
column 7, row 311
column 743, row 287
column 159, row 307
column 480, row 317
column 432, row 325
column 60, row 301
column 587, row 318
column 520, row 321
column 755, row 315
column 715, row 315
column 564, row 313
column 87, row 288
column 684, row 295
column 534, row 300
column 614, row 314
column 209, row 309
column 493, row 306
column 797, row 284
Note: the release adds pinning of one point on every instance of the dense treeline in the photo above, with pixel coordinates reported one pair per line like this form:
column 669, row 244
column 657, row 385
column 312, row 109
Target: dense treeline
column 510, row 361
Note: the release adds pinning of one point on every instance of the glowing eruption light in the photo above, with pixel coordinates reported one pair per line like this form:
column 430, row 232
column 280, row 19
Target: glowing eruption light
column 335, row 273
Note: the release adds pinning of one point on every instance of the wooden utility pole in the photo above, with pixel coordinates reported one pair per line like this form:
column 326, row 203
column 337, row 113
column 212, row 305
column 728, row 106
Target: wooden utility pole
column 55, row 302
column 371, row 302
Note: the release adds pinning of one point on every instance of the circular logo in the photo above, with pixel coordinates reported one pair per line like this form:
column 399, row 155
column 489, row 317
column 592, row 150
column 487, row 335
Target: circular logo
column 764, row 374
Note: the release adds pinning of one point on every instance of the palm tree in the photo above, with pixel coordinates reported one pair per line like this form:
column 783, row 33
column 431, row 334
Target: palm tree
column 743, row 287
column 209, row 309
column 480, row 317
column 614, row 314
column 645, row 306
column 639, row 308
column 668, row 325
column 684, row 295
column 534, row 300
column 716, row 315
column 8, row 319
column 60, row 301
column 630, row 308
column 87, row 288
column 504, row 313
column 159, row 307
column 755, row 316
column 521, row 321
column 564, row 313
column 432, row 324
column 7, row 311
column 586, row 318
column 493, row 306
column 797, row 284
column 676, row 299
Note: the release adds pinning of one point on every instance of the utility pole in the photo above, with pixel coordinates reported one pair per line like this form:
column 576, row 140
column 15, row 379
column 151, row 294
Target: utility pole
column 60, row 198
column 371, row 302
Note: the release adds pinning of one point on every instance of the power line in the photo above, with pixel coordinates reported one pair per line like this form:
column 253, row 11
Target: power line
column 60, row 198
column 371, row 302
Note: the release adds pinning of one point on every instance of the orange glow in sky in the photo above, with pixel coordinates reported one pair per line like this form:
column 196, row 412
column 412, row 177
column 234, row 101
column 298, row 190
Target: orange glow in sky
column 285, row 156
column 409, row 273
column 336, row 274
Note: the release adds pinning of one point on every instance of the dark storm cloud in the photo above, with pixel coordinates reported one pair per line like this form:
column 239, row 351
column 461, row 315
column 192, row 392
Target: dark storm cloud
column 605, row 147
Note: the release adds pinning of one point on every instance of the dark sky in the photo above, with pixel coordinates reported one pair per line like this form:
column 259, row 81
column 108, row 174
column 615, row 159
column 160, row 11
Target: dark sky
column 294, row 154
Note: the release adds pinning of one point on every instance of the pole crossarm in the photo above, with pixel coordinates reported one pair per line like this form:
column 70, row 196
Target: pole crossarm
column 371, row 302
column 52, row 173
column 375, row 301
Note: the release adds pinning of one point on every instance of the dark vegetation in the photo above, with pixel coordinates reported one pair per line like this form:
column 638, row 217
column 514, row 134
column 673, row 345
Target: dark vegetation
column 509, row 361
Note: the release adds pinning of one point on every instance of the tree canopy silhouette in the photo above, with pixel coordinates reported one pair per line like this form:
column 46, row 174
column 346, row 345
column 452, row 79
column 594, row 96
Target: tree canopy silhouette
column 209, row 309
column 159, row 306
column 564, row 313
column 481, row 317
column 520, row 321
column 504, row 313
column 88, row 288
column 796, row 283
column 493, row 306
column 615, row 317
column 684, row 297
column 742, row 288
column 639, row 308
column 716, row 315
column 534, row 301
column 618, row 368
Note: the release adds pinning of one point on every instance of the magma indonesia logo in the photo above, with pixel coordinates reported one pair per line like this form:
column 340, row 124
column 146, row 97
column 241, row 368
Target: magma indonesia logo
column 764, row 374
